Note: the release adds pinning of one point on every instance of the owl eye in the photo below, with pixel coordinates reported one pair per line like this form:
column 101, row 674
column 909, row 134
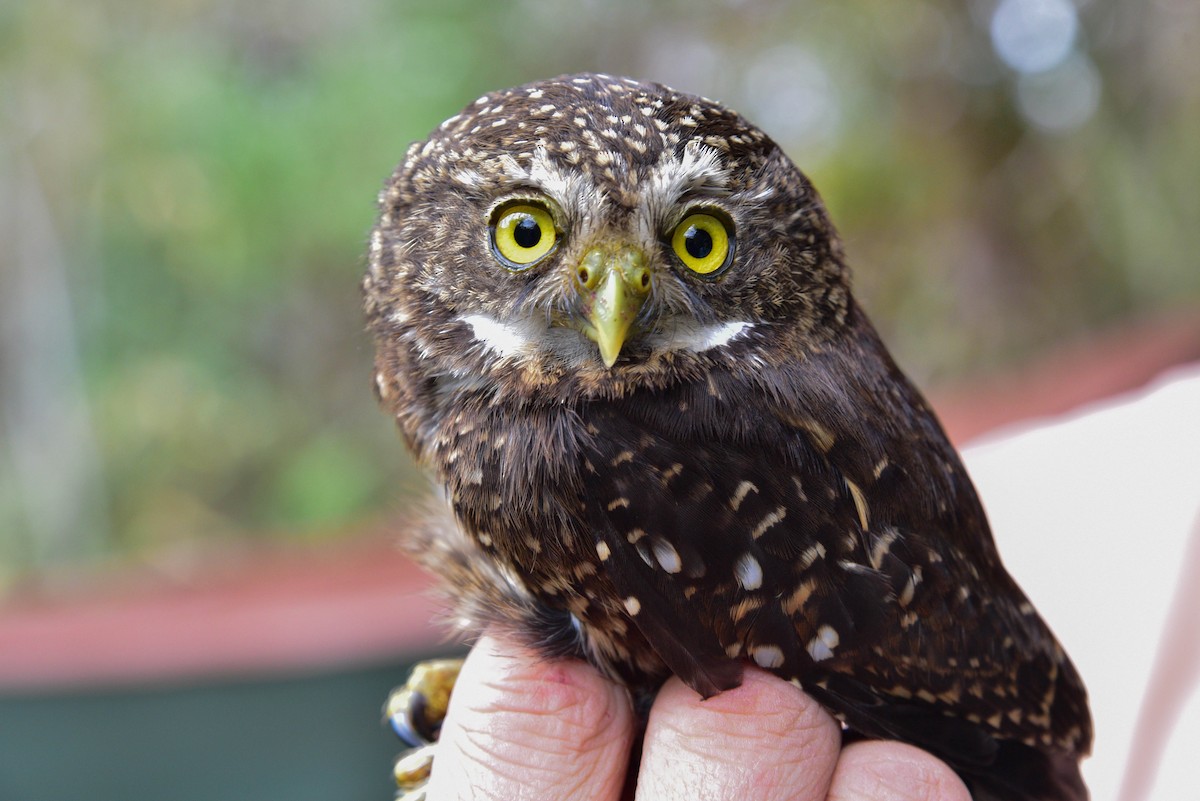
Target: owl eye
column 703, row 242
column 522, row 233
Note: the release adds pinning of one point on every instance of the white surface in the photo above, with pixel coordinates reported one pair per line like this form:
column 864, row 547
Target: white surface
column 1092, row 514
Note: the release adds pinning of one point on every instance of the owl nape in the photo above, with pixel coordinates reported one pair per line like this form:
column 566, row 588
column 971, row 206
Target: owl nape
column 615, row 323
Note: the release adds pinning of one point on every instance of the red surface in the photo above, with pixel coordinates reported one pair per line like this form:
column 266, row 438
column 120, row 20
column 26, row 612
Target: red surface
column 269, row 612
column 358, row 602
column 1070, row 376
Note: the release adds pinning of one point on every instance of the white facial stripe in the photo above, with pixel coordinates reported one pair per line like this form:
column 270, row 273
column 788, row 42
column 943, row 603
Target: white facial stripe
column 500, row 338
column 701, row 338
column 520, row 337
column 718, row 335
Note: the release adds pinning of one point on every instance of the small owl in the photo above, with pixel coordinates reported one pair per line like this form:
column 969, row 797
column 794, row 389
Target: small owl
column 615, row 322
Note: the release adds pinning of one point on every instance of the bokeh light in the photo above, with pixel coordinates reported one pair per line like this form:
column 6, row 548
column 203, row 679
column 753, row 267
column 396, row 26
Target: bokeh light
column 1034, row 35
column 1060, row 99
column 790, row 93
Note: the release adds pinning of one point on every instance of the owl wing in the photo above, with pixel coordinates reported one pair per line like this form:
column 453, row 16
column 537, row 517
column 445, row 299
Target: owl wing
column 821, row 526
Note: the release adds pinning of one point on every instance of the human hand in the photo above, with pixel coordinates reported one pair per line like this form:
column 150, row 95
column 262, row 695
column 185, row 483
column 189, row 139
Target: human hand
column 522, row 727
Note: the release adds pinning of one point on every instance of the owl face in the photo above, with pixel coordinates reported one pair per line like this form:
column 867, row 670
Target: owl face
column 601, row 227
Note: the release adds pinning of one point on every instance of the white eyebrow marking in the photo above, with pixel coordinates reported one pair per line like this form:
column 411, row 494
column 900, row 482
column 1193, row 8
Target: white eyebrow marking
column 699, row 168
column 572, row 189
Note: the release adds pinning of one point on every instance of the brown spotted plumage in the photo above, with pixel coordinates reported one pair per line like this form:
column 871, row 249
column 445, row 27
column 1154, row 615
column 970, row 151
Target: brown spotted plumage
column 615, row 321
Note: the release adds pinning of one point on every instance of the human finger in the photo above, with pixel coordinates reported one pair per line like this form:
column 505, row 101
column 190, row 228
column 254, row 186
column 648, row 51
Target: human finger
column 879, row 770
column 521, row 726
column 762, row 741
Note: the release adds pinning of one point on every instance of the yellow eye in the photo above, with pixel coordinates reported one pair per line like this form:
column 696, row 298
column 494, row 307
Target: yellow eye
column 522, row 233
column 703, row 243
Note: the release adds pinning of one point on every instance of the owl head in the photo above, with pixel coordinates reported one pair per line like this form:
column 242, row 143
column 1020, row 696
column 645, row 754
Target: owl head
column 600, row 228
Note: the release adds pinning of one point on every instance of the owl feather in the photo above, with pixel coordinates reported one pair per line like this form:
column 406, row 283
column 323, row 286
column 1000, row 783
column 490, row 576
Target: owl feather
column 615, row 322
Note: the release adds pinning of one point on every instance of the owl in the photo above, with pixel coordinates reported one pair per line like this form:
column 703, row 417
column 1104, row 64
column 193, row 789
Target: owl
column 615, row 323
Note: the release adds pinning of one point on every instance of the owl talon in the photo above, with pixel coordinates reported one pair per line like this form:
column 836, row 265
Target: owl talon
column 412, row 771
column 416, row 709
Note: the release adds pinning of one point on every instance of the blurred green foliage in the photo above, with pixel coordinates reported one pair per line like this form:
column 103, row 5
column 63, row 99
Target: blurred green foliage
column 187, row 186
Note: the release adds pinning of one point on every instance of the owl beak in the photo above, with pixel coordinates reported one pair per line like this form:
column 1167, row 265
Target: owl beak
column 614, row 285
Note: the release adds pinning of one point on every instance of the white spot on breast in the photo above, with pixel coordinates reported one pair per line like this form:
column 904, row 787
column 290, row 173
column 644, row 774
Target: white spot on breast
column 811, row 554
column 910, row 587
column 767, row 522
column 748, row 572
column 860, row 503
column 796, row 601
column 799, row 489
column 632, row 605
column 821, row 646
column 603, row 551
column 881, row 547
column 767, row 656
column 739, row 495
column 667, row 556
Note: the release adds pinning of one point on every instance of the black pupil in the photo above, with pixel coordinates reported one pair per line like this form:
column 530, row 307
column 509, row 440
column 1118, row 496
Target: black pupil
column 527, row 233
column 697, row 242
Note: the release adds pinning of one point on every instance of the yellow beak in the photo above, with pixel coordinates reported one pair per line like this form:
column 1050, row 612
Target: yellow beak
column 614, row 284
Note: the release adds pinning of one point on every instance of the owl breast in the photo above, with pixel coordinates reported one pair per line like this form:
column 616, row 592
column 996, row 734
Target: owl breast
column 662, row 526
column 523, row 483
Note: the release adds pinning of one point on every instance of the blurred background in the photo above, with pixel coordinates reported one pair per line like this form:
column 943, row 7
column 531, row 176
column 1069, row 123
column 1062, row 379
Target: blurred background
column 186, row 188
